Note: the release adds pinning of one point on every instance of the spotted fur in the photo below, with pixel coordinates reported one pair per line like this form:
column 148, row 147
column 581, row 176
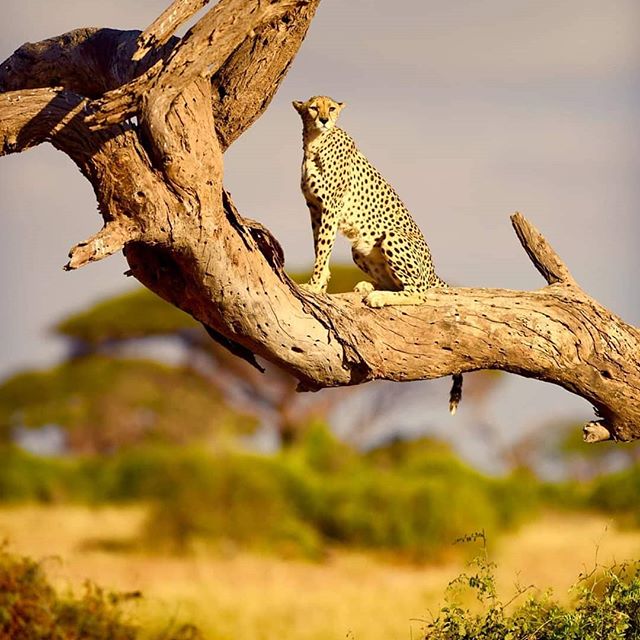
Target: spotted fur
column 345, row 192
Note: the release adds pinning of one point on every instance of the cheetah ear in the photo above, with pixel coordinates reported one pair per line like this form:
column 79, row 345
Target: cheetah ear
column 342, row 105
column 298, row 106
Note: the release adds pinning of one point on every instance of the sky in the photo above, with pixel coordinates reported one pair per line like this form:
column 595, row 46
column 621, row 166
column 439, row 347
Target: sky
column 472, row 109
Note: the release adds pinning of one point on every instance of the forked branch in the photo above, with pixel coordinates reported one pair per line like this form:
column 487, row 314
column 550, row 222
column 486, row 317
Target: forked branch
column 201, row 53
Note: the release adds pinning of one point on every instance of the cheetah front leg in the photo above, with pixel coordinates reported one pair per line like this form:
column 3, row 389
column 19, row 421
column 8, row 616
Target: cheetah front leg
column 325, row 230
column 364, row 286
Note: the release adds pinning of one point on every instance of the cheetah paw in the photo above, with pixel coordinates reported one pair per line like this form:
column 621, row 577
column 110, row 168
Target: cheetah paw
column 377, row 299
column 363, row 287
column 313, row 288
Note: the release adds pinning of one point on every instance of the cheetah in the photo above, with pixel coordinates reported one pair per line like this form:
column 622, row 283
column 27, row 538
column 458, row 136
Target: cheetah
column 344, row 192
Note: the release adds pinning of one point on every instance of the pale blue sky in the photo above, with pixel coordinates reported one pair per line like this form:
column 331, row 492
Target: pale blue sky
column 472, row 109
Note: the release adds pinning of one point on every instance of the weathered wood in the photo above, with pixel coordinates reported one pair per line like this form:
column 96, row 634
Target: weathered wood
column 159, row 188
column 544, row 258
column 200, row 53
column 160, row 30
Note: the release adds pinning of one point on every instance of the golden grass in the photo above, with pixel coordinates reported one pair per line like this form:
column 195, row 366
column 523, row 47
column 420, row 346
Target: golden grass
column 242, row 595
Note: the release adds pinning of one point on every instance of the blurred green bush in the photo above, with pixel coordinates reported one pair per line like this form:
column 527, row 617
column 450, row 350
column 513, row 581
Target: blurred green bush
column 617, row 494
column 412, row 498
column 319, row 493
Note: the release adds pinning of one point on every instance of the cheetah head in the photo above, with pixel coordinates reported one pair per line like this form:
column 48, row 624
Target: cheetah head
column 319, row 114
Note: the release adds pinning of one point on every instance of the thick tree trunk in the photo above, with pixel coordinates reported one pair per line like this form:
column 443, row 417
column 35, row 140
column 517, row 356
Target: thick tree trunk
column 158, row 181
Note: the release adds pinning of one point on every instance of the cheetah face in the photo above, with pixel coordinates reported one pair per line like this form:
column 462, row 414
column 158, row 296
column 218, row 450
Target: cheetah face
column 319, row 114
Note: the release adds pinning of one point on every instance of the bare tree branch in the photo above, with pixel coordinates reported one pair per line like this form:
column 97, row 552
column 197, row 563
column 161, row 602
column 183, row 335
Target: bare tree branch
column 109, row 240
column 159, row 188
column 596, row 432
column 544, row 258
column 85, row 61
column 161, row 29
column 34, row 116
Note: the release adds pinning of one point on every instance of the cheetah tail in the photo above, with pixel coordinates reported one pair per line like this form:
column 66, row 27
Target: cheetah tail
column 456, row 393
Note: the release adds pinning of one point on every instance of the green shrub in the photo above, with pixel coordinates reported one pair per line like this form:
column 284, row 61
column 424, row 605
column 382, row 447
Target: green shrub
column 412, row 497
column 30, row 609
column 230, row 498
column 417, row 516
column 25, row 477
column 516, row 498
column 566, row 495
column 606, row 607
column 617, row 494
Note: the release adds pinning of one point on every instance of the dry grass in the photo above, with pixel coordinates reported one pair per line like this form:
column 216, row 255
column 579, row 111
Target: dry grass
column 264, row 598
column 554, row 550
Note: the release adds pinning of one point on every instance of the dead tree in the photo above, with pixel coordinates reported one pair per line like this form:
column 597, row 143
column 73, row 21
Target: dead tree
column 147, row 117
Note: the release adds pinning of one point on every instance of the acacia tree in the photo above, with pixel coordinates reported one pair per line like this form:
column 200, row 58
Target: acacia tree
column 147, row 118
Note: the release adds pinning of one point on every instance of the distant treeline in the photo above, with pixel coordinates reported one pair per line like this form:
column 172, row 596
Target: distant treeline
column 410, row 497
column 413, row 498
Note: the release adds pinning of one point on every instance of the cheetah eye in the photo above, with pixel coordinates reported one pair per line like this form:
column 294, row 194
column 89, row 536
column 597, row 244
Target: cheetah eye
column 332, row 109
column 313, row 109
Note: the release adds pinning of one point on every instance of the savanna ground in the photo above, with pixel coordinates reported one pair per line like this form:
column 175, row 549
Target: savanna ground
column 239, row 594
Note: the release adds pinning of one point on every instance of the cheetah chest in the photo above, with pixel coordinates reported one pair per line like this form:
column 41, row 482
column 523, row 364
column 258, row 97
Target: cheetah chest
column 321, row 179
column 313, row 180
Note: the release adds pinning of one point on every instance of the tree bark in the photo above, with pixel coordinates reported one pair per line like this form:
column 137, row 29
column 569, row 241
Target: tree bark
column 147, row 118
